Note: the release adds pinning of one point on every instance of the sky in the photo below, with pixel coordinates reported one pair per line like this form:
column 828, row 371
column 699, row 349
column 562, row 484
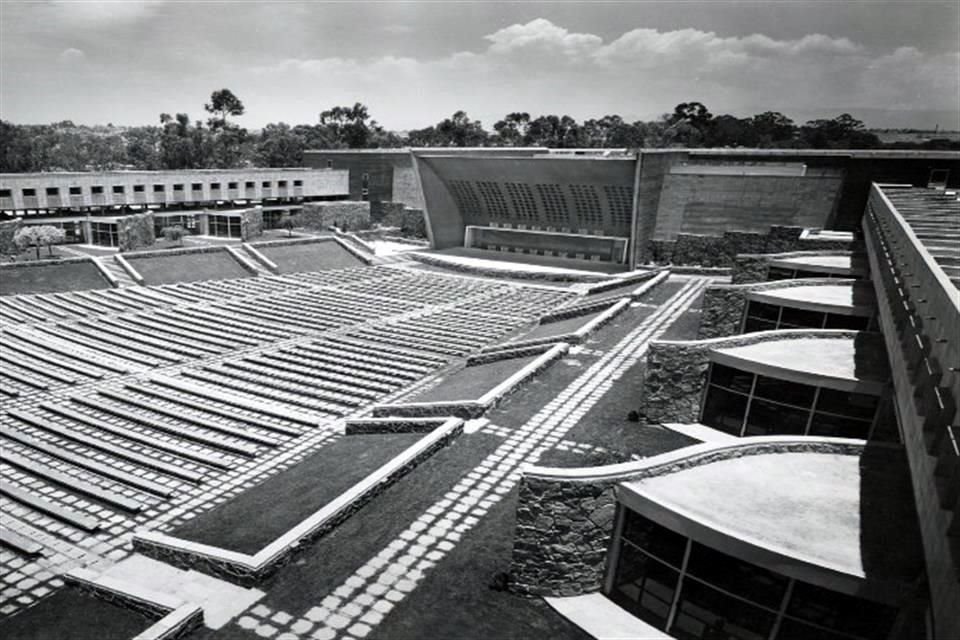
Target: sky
column 891, row 64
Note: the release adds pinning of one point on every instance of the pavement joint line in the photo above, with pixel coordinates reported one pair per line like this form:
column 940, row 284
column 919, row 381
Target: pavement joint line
column 390, row 575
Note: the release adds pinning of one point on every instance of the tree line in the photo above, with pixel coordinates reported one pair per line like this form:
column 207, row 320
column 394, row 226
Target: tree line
column 178, row 142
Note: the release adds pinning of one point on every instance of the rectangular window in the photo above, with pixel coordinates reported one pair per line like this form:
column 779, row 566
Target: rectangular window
column 265, row 184
column 654, row 538
column 158, row 188
column 214, row 186
column 196, row 186
column 6, row 193
column 76, row 191
column 769, row 418
column 118, row 189
column 840, row 612
column 844, row 403
column 53, row 191
column 724, row 410
column 96, row 190
column 282, row 184
column 232, row 185
column 329, row 164
column 736, row 576
column 704, row 612
column 298, row 183
column 139, row 188
column 731, row 378
column 250, row 184
column 800, row 318
column 27, row 193
column 644, row 586
column 178, row 187
column 782, row 391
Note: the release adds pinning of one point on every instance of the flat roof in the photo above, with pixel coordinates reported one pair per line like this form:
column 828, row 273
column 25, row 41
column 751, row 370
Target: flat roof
column 934, row 218
column 847, row 363
column 826, row 264
column 846, row 298
column 848, row 513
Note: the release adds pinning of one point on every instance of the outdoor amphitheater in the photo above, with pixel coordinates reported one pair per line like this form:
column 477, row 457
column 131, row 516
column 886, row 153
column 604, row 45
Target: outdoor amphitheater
column 647, row 394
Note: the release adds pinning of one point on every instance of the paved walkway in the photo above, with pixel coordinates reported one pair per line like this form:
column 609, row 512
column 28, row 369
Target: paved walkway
column 360, row 603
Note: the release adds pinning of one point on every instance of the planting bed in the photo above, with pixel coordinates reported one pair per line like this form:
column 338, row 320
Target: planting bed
column 51, row 278
column 472, row 382
column 70, row 614
column 315, row 256
column 187, row 267
column 560, row 327
column 263, row 513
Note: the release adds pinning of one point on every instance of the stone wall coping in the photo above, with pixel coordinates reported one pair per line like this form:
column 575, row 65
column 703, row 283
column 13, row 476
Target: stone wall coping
column 177, row 622
column 124, row 590
column 274, row 552
column 696, row 455
column 761, row 336
column 699, row 270
column 128, row 268
column 785, row 255
column 105, row 273
column 782, row 284
column 614, row 308
column 628, row 277
column 554, row 276
column 357, row 253
column 176, row 251
column 511, row 350
column 44, row 263
column 270, row 265
column 290, row 241
column 361, row 426
column 248, row 266
column 352, row 237
column 654, row 282
column 505, row 387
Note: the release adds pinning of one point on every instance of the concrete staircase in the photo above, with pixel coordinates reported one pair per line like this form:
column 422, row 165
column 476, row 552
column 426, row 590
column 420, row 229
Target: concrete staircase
column 110, row 265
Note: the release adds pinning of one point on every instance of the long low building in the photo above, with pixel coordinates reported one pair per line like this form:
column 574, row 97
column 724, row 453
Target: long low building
column 35, row 194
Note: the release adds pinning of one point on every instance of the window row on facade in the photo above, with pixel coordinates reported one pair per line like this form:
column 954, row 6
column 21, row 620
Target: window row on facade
column 154, row 188
column 692, row 591
column 743, row 403
column 762, row 316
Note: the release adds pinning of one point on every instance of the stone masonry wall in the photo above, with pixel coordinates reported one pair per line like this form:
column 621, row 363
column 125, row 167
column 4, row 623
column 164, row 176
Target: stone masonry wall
column 380, row 210
column 348, row 215
column 8, row 229
column 251, row 224
column 675, row 373
column 562, row 535
column 724, row 305
column 135, row 231
column 752, row 267
column 722, row 251
column 565, row 525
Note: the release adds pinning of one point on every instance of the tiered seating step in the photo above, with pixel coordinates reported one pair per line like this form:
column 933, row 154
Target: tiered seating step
column 107, row 447
column 64, row 514
column 85, row 462
column 73, row 483
column 24, row 545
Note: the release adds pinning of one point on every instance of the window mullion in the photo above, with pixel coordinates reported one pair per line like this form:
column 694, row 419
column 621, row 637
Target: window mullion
column 676, row 594
column 787, row 594
column 813, row 410
column 746, row 413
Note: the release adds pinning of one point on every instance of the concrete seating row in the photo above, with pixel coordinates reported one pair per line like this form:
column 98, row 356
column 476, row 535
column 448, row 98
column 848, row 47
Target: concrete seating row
column 108, row 343
column 141, row 437
column 131, row 455
column 68, row 357
column 179, row 430
column 336, row 392
column 325, row 369
column 351, row 344
column 112, row 469
column 262, row 386
column 61, row 513
column 358, row 361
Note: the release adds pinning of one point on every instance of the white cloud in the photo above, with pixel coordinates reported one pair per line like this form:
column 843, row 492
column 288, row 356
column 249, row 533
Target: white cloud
column 91, row 14
column 71, row 55
column 542, row 36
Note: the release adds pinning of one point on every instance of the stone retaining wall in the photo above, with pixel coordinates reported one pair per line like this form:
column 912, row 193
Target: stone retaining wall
column 135, row 231
column 724, row 304
column 8, row 229
column 721, row 251
column 752, row 267
column 565, row 517
column 675, row 372
column 348, row 215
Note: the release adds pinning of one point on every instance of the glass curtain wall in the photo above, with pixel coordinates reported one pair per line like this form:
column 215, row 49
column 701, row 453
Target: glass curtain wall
column 761, row 316
column 742, row 403
column 694, row 592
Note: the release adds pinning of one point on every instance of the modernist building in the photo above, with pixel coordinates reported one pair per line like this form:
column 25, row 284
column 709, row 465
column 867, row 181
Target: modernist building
column 86, row 205
column 667, row 205
column 824, row 501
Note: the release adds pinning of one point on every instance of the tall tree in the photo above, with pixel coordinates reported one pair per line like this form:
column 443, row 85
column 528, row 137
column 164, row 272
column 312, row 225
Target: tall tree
column 513, row 130
column 222, row 104
column 460, row 131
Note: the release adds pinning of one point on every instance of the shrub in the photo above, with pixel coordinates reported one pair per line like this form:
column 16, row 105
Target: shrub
column 174, row 234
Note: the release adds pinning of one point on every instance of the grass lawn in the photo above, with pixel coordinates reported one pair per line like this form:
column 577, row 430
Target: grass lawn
column 560, row 327
column 316, row 256
column 455, row 599
column 188, row 267
column 74, row 276
column 258, row 516
column 336, row 556
column 69, row 614
column 663, row 292
column 472, row 382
